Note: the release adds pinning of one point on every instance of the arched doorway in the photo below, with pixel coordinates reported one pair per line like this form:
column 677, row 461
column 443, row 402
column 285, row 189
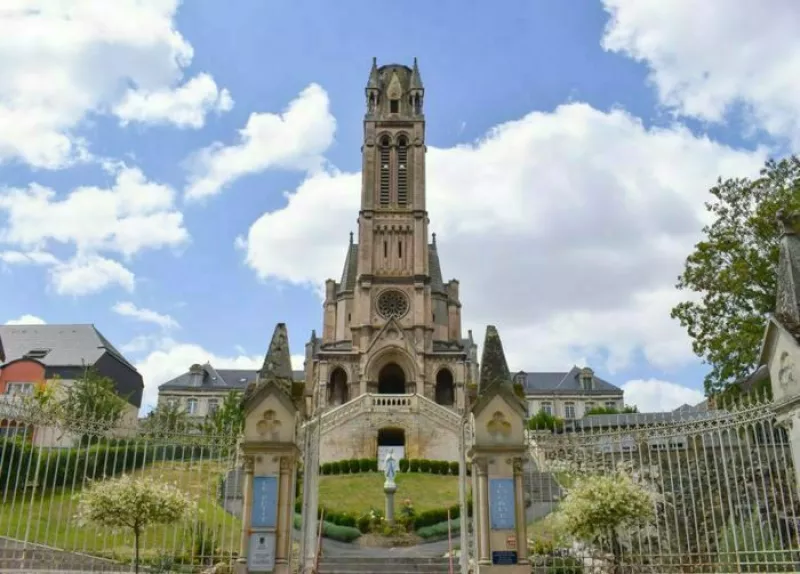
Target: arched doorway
column 337, row 387
column 445, row 389
column 392, row 380
column 394, row 439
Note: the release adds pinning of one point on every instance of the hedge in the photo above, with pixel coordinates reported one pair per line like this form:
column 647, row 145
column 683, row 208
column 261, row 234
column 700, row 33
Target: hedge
column 439, row 529
column 332, row 531
column 356, row 465
column 67, row 466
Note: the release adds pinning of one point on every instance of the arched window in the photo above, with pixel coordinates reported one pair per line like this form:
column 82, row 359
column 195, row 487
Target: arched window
column 384, row 171
column 445, row 389
column 402, row 171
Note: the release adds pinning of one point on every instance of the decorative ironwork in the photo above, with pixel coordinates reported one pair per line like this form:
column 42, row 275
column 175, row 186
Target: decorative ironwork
column 392, row 304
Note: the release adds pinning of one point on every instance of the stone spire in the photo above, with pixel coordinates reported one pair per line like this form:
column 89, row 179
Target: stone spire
column 278, row 363
column 416, row 79
column 494, row 368
column 787, row 309
column 374, row 81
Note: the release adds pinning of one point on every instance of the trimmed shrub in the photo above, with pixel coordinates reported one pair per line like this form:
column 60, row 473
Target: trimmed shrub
column 373, row 465
column 326, row 468
column 364, row 464
column 363, row 523
column 439, row 529
column 424, row 465
column 413, row 465
column 332, row 531
column 454, row 468
column 403, row 464
column 355, row 466
column 336, row 467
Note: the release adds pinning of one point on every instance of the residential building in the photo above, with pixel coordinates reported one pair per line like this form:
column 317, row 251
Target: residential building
column 201, row 389
column 36, row 354
column 568, row 395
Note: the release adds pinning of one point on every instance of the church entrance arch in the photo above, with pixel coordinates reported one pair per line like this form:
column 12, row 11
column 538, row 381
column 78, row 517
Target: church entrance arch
column 392, row 380
column 391, row 439
column 337, row 387
column 445, row 389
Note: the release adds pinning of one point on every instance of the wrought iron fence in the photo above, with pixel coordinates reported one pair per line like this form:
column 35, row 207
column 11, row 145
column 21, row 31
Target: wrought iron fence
column 720, row 483
column 48, row 462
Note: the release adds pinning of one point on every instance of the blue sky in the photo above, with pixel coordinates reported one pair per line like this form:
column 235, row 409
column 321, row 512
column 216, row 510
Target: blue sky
column 184, row 176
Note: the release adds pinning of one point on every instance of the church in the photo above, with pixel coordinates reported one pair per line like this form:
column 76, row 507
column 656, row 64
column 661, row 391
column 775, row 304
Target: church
column 391, row 366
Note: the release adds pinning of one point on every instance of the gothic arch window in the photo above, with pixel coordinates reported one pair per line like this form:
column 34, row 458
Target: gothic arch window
column 445, row 389
column 402, row 171
column 385, row 154
column 337, row 388
column 394, row 106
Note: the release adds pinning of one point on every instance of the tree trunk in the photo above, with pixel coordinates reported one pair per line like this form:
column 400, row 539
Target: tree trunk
column 136, row 550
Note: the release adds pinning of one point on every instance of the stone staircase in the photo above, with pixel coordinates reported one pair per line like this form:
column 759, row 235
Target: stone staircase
column 384, row 565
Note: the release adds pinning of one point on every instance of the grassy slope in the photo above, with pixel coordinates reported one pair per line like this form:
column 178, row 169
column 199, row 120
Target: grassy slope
column 358, row 493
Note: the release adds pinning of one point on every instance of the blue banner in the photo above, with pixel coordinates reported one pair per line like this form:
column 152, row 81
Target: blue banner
column 501, row 503
column 265, row 502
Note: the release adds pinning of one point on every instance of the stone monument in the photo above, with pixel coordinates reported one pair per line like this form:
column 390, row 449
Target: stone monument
column 389, row 485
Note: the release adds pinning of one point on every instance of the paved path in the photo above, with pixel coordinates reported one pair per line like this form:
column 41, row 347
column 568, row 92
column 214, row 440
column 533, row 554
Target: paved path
column 334, row 548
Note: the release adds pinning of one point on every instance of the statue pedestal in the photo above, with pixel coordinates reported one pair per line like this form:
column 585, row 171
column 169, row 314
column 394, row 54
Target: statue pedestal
column 389, row 488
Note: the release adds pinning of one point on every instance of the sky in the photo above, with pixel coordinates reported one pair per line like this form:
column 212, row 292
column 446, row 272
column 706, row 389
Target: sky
column 186, row 175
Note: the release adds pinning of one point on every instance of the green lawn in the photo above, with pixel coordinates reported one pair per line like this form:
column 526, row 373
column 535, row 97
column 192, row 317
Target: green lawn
column 52, row 523
column 358, row 493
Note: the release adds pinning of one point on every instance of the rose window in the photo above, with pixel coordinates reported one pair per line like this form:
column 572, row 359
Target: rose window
column 392, row 304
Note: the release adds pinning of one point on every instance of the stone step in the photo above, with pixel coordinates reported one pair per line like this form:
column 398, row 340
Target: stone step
column 14, row 559
column 384, row 565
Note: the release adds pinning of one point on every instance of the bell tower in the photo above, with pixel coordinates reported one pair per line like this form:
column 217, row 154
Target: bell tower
column 393, row 221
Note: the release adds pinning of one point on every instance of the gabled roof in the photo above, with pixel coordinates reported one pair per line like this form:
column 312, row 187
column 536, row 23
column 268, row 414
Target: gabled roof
column 563, row 383
column 58, row 345
column 218, row 380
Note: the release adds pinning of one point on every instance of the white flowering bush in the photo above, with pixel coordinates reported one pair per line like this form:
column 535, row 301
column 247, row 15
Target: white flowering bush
column 133, row 504
column 601, row 509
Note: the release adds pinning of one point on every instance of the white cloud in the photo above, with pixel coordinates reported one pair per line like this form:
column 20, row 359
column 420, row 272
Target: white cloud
column 89, row 274
column 169, row 358
column 566, row 229
column 185, row 107
column 707, row 57
column 62, row 61
column 131, row 215
column 128, row 309
column 653, row 395
column 294, row 139
column 27, row 320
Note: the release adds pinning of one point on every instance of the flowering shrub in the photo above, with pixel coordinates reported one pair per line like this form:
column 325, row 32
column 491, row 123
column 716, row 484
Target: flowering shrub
column 128, row 503
column 599, row 509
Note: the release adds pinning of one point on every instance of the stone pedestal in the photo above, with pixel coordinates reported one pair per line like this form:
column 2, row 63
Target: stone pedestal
column 389, row 488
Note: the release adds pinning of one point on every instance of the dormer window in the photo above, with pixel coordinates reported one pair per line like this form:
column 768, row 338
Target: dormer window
column 37, row 353
column 394, row 106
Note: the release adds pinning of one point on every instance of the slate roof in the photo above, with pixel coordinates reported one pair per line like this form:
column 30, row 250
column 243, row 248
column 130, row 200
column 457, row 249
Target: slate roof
column 350, row 269
column 66, row 345
column 564, row 384
column 219, row 380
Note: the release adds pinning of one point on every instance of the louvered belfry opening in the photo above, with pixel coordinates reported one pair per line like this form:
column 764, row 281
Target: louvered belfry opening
column 385, row 151
column 402, row 172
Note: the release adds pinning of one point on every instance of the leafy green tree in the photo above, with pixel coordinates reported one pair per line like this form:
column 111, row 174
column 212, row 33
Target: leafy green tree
column 228, row 419
column 731, row 273
column 167, row 418
column 93, row 398
column 133, row 504
column 545, row 421
column 601, row 510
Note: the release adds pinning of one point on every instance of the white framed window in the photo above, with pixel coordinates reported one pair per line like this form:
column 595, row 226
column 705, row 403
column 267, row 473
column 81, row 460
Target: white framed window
column 548, row 408
column 611, row 404
column 19, row 388
column 191, row 406
column 588, row 406
column 569, row 410
column 172, row 402
column 213, row 405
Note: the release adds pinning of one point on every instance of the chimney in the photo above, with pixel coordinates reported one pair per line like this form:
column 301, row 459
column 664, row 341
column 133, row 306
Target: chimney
column 196, row 373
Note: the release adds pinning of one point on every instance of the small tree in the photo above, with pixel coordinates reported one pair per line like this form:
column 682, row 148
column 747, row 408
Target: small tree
column 228, row 419
column 167, row 418
column 134, row 504
column 545, row 421
column 93, row 398
column 598, row 510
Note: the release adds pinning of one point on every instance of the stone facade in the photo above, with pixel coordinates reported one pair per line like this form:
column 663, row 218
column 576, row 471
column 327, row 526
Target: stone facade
column 391, row 325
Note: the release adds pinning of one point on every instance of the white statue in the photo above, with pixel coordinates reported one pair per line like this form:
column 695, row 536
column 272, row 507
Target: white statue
column 389, row 467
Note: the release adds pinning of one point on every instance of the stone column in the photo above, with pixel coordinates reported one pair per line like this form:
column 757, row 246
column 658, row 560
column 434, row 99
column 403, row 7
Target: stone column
column 247, row 498
column 284, row 525
column 483, row 509
column 476, row 514
column 519, row 514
